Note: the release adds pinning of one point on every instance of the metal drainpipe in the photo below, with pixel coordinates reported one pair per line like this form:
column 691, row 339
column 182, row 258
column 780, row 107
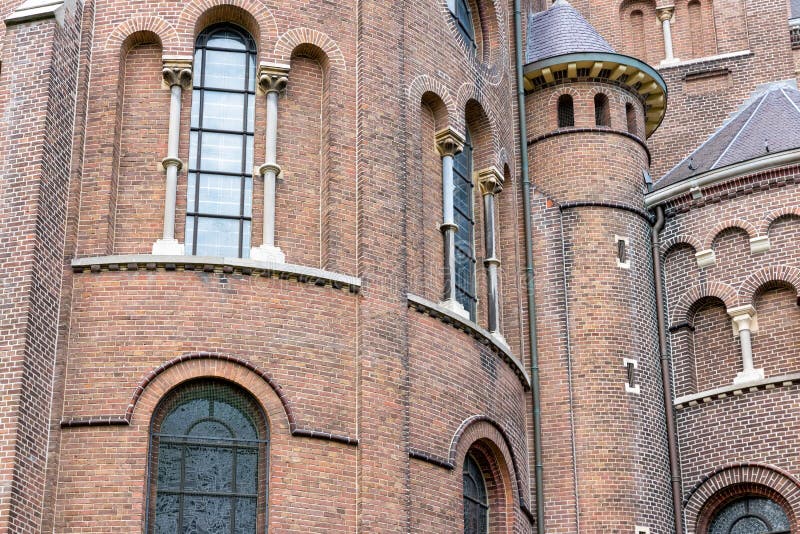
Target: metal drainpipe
column 526, row 203
column 672, row 434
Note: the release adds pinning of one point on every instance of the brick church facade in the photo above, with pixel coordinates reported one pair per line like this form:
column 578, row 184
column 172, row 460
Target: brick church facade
column 366, row 266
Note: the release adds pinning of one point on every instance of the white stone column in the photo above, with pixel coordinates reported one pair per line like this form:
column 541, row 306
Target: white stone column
column 177, row 73
column 665, row 14
column 449, row 143
column 490, row 182
column 272, row 80
column 744, row 323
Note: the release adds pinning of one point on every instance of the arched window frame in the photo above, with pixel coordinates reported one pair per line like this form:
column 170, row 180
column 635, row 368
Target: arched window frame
column 464, row 214
column 217, row 175
column 214, row 391
column 476, row 498
column 602, row 110
column 566, row 111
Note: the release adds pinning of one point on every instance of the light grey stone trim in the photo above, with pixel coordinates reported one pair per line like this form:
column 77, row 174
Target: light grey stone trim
column 437, row 311
column 150, row 262
column 32, row 10
column 712, row 395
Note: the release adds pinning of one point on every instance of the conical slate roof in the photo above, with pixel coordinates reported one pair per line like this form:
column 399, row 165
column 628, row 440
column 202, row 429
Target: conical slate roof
column 561, row 30
column 768, row 123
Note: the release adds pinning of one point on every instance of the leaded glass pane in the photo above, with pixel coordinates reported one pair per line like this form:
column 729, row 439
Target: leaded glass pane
column 464, row 237
column 476, row 503
column 464, row 22
column 750, row 516
column 210, row 451
column 221, row 144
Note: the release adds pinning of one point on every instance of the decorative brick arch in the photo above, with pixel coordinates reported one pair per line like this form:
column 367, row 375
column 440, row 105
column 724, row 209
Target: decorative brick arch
column 773, row 216
column 686, row 302
column 551, row 120
column 680, row 239
column 158, row 382
column 482, row 427
column 427, row 84
column 724, row 225
column 728, row 482
column 289, row 41
column 775, row 273
column 265, row 33
column 121, row 35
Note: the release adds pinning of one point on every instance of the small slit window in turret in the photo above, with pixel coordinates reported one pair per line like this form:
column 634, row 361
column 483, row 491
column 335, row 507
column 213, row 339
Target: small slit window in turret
column 623, row 252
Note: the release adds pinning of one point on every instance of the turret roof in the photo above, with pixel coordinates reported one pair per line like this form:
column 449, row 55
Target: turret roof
column 561, row 30
column 768, row 123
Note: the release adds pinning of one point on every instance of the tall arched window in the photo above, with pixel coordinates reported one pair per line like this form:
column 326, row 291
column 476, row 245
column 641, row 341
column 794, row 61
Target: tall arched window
column 463, row 211
column 566, row 112
column 208, row 461
column 602, row 113
column 476, row 499
column 463, row 15
column 751, row 515
column 220, row 185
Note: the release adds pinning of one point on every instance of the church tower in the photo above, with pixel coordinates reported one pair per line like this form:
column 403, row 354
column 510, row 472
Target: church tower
column 589, row 112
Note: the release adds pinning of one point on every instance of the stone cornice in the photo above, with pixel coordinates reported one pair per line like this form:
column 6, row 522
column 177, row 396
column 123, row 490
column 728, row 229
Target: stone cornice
column 150, row 262
column 711, row 395
column 428, row 307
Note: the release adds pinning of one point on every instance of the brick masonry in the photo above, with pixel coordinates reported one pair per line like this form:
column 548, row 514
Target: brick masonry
column 373, row 406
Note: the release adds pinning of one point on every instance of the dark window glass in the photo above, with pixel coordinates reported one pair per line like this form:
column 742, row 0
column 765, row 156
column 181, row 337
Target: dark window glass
column 476, row 502
column 220, row 184
column 602, row 113
column 630, row 116
column 464, row 218
column 208, row 452
column 566, row 112
column 463, row 17
column 753, row 515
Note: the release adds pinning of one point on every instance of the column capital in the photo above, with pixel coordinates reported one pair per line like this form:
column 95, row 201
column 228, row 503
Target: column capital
column 449, row 142
column 177, row 71
column 665, row 12
column 273, row 77
column 742, row 313
column 490, row 180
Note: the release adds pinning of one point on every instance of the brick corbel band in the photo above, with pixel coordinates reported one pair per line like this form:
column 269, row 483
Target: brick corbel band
column 125, row 420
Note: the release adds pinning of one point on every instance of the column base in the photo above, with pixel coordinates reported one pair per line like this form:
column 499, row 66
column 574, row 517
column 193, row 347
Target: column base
column 497, row 336
column 668, row 62
column 745, row 377
column 267, row 253
column 454, row 306
column 168, row 247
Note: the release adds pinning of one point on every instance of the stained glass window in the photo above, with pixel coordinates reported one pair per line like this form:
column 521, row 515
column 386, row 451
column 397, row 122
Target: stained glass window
column 208, row 454
column 465, row 220
column 476, row 501
column 752, row 515
column 220, row 185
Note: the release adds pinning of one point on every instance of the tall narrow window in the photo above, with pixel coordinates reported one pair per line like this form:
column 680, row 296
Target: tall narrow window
column 463, row 15
column 566, row 112
column 465, row 220
column 637, row 45
column 602, row 113
column 476, row 500
column 696, row 28
column 208, row 462
column 630, row 117
column 752, row 515
column 220, row 187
